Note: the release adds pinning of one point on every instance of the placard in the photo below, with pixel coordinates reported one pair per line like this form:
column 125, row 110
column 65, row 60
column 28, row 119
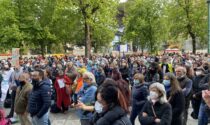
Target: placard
column 15, row 57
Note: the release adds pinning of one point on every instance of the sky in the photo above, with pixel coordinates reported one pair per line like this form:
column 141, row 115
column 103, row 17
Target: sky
column 123, row 1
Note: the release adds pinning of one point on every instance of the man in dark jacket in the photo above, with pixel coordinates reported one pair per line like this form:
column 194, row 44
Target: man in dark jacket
column 39, row 99
column 186, row 85
column 196, row 91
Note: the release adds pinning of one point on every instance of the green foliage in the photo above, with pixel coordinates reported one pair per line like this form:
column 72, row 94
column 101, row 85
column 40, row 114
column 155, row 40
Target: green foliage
column 47, row 23
column 189, row 20
column 144, row 25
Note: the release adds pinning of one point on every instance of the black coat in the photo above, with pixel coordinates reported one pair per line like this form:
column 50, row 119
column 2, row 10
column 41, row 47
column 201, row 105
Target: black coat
column 115, row 116
column 162, row 111
column 139, row 95
column 186, row 85
column 177, row 102
column 196, row 82
column 100, row 79
column 125, row 73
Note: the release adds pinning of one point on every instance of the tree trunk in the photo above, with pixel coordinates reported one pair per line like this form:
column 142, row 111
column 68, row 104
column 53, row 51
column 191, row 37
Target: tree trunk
column 142, row 49
column 192, row 35
column 42, row 48
column 87, row 40
column 194, row 43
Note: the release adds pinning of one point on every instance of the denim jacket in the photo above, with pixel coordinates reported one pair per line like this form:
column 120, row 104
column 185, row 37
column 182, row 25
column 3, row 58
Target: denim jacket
column 87, row 96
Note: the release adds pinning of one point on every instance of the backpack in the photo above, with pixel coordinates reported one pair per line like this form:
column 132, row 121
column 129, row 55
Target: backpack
column 55, row 109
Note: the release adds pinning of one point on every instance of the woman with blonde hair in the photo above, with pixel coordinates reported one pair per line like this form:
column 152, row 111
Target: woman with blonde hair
column 156, row 110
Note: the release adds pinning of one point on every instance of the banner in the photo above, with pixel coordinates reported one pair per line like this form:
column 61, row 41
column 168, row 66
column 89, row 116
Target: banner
column 15, row 56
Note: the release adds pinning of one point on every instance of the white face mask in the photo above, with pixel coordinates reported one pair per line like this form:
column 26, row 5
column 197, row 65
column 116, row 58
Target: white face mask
column 153, row 95
column 98, row 107
column 198, row 73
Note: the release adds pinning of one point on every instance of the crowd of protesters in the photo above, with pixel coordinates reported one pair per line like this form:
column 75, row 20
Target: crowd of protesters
column 108, row 90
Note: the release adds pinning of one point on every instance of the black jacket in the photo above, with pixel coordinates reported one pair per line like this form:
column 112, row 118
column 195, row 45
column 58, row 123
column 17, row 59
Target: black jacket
column 40, row 99
column 139, row 95
column 115, row 116
column 124, row 72
column 186, row 85
column 162, row 111
column 196, row 81
column 177, row 102
column 100, row 78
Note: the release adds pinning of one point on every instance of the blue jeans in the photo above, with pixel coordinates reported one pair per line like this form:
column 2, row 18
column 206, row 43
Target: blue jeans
column 202, row 116
column 44, row 120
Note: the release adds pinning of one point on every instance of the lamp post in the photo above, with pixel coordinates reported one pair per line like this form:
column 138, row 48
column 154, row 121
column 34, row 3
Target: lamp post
column 208, row 1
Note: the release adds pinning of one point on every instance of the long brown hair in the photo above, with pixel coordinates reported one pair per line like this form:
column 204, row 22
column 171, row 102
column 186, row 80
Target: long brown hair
column 122, row 98
column 175, row 87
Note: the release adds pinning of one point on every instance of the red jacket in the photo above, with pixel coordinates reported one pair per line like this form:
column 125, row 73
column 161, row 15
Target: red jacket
column 61, row 93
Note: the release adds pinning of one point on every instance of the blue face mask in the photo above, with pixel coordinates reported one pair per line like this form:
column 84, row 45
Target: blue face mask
column 98, row 73
column 167, row 83
column 136, row 82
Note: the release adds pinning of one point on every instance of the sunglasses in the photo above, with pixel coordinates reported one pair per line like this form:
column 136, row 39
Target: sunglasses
column 85, row 78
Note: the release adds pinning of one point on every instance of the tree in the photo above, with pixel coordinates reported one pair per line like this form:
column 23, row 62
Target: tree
column 144, row 24
column 67, row 24
column 188, row 18
column 95, row 12
column 10, row 35
column 34, row 19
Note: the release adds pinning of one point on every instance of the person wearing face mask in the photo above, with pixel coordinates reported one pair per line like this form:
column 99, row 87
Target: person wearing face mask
column 6, row 75
column 13, row 86
column 100, row 76
column 157, row 110
column 70, row 69
column 196, row 91
column 153, row 74
column 139, row 96
column 203, row 85
column 109, row 107
column 165, row 66
column 175, row 97
column 21, row 99
column 39, row 99
column 62, row 84
column 206, row 67
column 186, row 86
column 124, row 70
column 87, row 96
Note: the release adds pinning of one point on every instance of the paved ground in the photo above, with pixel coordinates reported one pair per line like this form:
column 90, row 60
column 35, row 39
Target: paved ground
column 70, row 118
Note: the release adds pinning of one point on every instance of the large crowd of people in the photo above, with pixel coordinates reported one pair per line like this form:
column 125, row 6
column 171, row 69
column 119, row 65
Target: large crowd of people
column 107, row 90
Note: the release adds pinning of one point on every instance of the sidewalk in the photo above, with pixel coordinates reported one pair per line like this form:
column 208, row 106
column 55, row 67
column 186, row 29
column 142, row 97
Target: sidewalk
column 70, row 118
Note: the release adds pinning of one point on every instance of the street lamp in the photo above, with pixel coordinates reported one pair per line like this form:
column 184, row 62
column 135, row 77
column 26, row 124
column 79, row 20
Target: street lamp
column 208, row 1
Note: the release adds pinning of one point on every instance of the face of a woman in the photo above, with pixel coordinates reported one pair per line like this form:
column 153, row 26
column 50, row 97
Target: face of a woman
column 155, row 90
column 86, row 79
column 101, row 101
column 166, row 78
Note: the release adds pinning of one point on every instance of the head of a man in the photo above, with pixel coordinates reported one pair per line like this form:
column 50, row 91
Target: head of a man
column 24, row 78
column 180, row 72
column 37, row 76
